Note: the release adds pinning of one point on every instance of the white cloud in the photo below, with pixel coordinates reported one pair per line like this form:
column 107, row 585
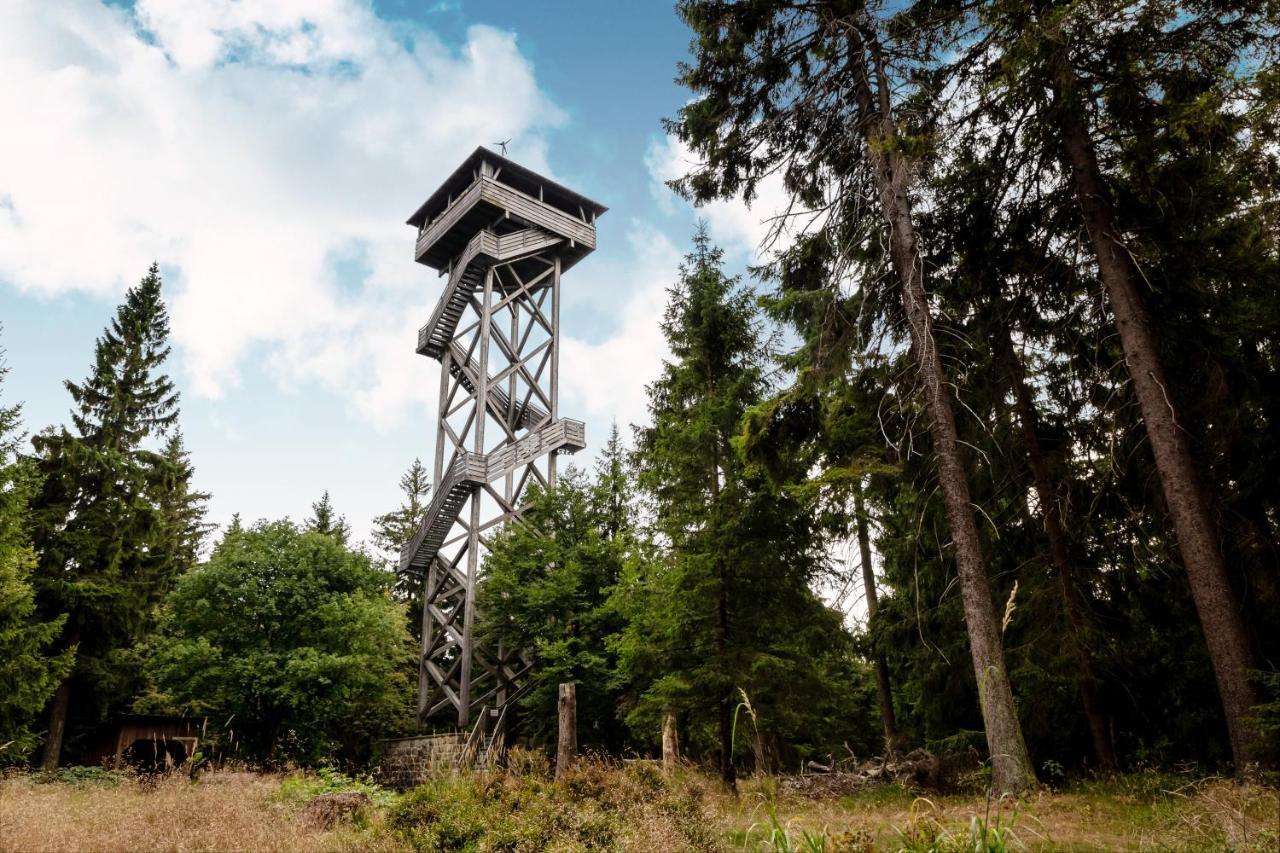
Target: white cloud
column 247, row 146
column 607, row 379
column 734, row 225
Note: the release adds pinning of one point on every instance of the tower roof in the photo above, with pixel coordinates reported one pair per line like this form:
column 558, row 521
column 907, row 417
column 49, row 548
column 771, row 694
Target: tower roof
column 513, row 175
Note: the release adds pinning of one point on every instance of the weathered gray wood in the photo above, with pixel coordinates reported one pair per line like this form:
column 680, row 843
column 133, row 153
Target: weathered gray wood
column 496, row 333
column 567, row 743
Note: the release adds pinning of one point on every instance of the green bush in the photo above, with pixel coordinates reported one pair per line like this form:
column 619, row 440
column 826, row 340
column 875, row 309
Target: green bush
column 301, row 787
column 597, row 807
column 79, row 776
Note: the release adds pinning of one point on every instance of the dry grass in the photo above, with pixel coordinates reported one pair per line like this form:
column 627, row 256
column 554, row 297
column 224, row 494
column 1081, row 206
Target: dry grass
column 1133, row 813
column 632, row 811
column 223, row 811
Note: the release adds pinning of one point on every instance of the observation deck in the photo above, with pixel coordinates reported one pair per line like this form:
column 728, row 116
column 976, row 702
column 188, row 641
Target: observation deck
column 488, row 191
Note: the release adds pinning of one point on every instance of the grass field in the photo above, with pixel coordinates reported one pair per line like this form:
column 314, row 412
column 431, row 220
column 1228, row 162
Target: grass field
column 624, row 809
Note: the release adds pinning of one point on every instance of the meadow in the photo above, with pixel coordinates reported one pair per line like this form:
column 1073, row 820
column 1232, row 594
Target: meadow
column 626, row 807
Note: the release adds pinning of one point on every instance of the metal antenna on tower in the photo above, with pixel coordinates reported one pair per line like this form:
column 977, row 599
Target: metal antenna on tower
column 503, row 234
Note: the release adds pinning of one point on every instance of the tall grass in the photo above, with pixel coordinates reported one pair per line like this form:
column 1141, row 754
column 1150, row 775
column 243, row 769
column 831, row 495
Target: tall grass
column 225, row 810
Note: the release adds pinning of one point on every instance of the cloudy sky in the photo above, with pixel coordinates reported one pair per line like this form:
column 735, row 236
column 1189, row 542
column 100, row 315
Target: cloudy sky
column 266, row 154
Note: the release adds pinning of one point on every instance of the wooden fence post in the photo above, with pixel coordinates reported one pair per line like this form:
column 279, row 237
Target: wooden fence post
column 567, row 748
column 670, row 741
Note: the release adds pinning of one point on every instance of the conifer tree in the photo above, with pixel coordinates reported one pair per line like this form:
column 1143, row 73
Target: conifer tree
column 611, row 491
column 105, row 552
column 29, row 672
column 807, row 91
column 182, row 509
column 726, row 605
column 545, row 591
column 393, row 530
column 325, row 519
column 1158, row 121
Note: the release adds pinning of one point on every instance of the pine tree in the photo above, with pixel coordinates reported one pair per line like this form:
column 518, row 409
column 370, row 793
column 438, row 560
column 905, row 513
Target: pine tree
column 697, row 632
column 808, row 92
column 392, row 531
column 1140, row 117
column 611, row 491
column 29, row 672
column 324, row 519
column 105, row 554
column 182, row 510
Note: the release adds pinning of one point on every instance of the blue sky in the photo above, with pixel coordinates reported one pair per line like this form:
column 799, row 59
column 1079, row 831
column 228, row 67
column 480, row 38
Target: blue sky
column 267, row 155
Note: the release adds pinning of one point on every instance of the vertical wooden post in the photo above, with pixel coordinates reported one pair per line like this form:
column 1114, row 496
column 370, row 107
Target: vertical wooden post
column 567, row 747
column 670, row 741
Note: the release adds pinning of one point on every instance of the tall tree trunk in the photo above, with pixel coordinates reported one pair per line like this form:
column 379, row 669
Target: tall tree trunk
column 59, row 708
column 57, row 726
column 1051, row 516
column 727, row 771
column 892, row 739
column 1197, row 538
column 1011, row 770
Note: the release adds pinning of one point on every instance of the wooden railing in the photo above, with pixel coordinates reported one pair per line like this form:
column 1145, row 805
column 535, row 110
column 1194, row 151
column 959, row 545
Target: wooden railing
column 514, row 202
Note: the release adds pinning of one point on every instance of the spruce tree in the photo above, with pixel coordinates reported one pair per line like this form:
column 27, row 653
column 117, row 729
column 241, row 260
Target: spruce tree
column 611, row 491
column 807, row 91
column 105, row 552
column 29, row 671
column 725, row 606
column 1158, row 123
column 325, row 519
column 545, row 592
column 393, row 530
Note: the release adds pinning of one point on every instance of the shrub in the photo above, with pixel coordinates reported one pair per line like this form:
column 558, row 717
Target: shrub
column 301, row 787
column 598, row 806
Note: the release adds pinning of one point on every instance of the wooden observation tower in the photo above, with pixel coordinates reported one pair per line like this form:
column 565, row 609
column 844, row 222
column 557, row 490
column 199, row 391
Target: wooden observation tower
column 502, row 235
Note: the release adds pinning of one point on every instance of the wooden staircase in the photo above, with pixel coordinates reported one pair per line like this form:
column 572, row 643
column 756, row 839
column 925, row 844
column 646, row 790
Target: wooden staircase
column 465, row 475
column 470, row 471
column 483, row 251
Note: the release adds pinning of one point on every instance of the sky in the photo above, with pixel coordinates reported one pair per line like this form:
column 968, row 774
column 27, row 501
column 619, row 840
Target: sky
column 267, row 154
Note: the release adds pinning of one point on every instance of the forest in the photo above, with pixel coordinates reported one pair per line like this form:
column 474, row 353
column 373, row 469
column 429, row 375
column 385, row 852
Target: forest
column 981, row 458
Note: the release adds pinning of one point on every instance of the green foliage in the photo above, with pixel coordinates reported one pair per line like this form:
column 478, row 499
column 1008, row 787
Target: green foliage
column 79, row 775
column 1183, row 103
column 29, row 670
column 393, row 530
column 725, row 602
column 546, row 590
column 595, row 808
column 325, row 520
column 289, row 643
column 302, row 786
column 115, row 520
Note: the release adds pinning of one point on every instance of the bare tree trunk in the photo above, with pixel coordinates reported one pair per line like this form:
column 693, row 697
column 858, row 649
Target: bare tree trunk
column 670, row 741
column 567, row 744
column 892, row 740
column 1051, row 516
column 1197, row 538
column 57, row 726
column 58, row 711
column 1011, row 770
column 727, row 770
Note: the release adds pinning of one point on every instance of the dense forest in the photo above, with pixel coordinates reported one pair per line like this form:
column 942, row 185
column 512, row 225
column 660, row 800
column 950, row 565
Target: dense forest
column 1002, row 370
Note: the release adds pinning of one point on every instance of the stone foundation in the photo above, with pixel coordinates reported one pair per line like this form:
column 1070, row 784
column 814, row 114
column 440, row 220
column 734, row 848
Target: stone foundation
column 409, row 761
